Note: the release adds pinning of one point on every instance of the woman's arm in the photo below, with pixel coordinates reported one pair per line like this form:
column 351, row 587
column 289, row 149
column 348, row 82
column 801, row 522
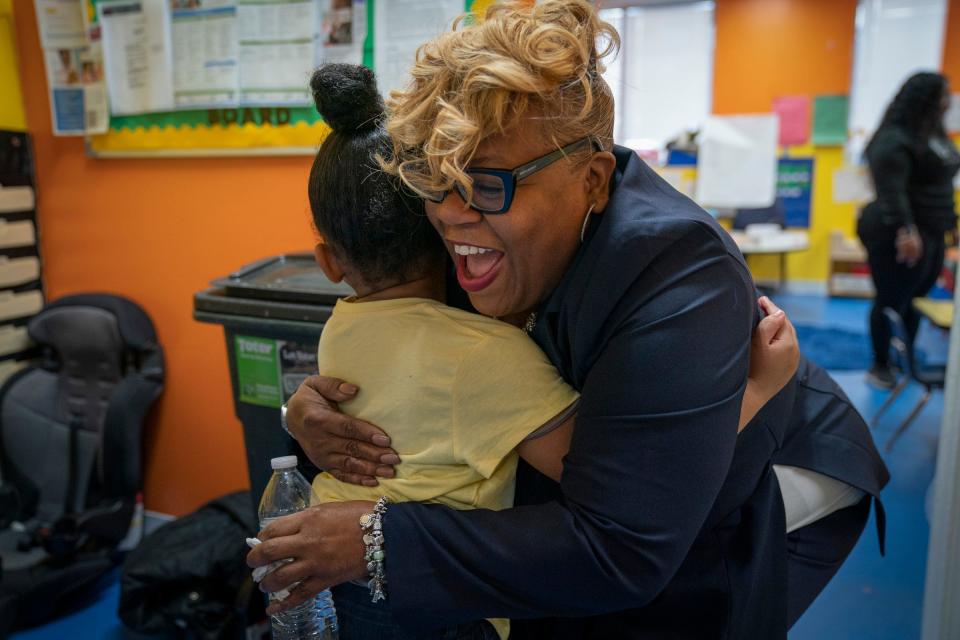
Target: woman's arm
column 350, row 449
column 774, row 355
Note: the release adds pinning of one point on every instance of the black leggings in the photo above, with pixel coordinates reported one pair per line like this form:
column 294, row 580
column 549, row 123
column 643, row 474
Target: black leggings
column 896, row 283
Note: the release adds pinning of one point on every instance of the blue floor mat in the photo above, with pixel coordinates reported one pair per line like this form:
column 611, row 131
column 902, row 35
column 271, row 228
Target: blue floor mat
column 835, row 349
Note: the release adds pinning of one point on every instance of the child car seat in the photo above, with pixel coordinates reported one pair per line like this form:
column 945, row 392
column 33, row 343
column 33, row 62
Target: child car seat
column 70, row 460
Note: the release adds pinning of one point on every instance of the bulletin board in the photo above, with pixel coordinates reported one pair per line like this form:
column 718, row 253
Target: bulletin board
column 254, row 131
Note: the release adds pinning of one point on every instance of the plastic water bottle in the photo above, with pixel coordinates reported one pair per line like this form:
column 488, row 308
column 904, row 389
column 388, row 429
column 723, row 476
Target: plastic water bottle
column 289, row 492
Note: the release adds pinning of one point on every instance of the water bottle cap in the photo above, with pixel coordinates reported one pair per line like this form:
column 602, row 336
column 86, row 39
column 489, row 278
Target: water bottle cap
column 283, row 462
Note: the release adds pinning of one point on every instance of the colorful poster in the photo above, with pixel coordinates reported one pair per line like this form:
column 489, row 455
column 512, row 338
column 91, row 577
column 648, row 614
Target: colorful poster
column 794, row 113
column 795, row 190
column 830, row 120
column 343, row 30
column 78, row 95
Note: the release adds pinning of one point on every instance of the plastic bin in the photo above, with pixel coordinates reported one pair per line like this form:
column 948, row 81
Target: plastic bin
column 272, row 312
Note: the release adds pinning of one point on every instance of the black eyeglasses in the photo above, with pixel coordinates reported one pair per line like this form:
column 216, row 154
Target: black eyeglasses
column 493, row 189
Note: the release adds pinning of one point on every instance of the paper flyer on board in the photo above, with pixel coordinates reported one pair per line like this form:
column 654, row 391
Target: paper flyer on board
column 206, row 66
column 74, row 67
column 60, row 23
column 78, row 94
column 343, row 29
column 277, row 51
column 400, row 26
column 138, row 53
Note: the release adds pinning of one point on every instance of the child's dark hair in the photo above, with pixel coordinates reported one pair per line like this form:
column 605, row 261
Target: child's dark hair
column 365, row 214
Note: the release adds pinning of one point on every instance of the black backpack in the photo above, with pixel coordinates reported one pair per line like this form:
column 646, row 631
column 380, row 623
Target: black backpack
column 70, row 458
column 190, row 576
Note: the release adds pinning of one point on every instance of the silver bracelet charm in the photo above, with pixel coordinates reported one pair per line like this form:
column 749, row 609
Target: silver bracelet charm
column 372, row 526
column 283, row 419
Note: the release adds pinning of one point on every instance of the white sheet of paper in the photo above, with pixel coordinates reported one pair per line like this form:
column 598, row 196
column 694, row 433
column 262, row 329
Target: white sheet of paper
column 951, row 121
column 277, row 51
column 343, row 30
column 206, row 66
column 400, row 26
column 737, row 161
column 137, row 50
column 852, row 184
column 61, row 24
column 78, row 95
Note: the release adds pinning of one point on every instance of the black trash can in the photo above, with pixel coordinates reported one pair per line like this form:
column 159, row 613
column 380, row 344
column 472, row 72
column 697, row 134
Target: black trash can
column 272, row 312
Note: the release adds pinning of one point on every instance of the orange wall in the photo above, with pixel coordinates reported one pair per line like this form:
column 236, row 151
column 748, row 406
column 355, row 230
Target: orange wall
column 951, row 46
column 770, row 48
column 157, row 231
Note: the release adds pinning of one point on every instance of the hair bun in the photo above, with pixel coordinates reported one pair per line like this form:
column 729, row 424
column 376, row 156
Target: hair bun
column 346, row 96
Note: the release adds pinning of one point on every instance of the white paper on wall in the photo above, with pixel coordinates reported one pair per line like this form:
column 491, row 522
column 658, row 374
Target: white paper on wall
column 278, row 40
column 737, row 162
column 138, row 57
column 400, row 26
column 852, row 185
column 206, row 68
column 951, row 120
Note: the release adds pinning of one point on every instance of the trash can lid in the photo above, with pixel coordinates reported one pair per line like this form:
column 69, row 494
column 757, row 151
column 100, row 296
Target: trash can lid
column 293, row 277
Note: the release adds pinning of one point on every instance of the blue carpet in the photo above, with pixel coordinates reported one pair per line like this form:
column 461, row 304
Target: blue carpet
column 835, row 349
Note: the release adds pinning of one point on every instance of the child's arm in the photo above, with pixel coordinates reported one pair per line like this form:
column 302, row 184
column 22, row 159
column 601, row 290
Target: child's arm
column 774, row 356
column 545, row 453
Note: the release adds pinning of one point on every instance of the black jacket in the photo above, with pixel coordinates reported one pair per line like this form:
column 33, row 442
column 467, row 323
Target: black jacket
column 913, row 181
column 665, row 521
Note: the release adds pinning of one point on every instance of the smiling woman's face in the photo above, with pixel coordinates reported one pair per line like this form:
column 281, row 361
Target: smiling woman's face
column 509, row 263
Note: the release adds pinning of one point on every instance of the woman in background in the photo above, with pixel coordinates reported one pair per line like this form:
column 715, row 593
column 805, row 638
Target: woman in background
column 913, row 163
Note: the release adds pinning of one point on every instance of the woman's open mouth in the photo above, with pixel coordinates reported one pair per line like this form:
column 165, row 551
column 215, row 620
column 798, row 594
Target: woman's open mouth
column 477, row 266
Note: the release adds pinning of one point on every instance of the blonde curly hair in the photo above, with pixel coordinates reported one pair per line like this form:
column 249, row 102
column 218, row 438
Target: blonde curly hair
column 482, row 77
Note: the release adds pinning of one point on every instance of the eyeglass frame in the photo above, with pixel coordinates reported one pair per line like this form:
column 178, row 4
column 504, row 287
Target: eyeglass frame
column 510, row 177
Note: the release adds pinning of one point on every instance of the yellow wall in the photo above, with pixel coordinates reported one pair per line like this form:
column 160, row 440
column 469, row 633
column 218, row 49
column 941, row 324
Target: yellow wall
column 11, row 105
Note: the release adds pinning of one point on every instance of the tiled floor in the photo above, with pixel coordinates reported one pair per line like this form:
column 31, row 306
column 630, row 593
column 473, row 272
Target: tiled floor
column 871, row 597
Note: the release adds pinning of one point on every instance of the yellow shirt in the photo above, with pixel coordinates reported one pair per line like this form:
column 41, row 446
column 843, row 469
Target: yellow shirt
column 456, row 392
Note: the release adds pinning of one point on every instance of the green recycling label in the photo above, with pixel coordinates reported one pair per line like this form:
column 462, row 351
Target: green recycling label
column 258, row 371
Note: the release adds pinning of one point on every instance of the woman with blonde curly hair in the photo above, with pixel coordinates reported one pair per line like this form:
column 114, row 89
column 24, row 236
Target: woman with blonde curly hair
column 665, row 524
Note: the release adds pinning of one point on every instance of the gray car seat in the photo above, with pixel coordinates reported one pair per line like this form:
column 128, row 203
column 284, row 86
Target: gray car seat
column 70, row 459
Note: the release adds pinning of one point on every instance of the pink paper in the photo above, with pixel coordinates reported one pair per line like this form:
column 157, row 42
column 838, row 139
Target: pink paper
column 794, row 112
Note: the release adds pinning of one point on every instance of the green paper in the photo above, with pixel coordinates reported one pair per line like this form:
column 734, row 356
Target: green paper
column 830, row 120
column 258, row 371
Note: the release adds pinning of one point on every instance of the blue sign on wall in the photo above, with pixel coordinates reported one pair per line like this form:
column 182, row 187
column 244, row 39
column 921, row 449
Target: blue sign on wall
column 795, row 190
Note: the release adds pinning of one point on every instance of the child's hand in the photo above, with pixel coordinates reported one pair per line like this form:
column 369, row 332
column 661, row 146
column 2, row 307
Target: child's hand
column 774, row 352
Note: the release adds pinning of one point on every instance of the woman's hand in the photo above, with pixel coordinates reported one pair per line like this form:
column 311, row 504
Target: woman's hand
column 326, row 547
column 351, row 450
column 909, row 246
column 774, row 356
